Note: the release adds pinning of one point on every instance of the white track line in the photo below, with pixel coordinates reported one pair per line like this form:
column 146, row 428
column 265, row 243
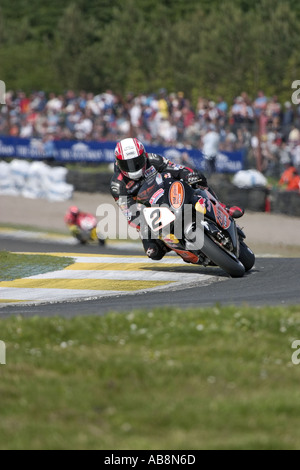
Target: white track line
column 121, row 275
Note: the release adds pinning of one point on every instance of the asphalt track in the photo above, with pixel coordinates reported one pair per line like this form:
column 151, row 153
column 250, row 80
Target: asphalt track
column 272, row 281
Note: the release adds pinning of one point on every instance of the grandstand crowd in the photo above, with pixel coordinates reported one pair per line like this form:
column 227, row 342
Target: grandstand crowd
column 267, row 129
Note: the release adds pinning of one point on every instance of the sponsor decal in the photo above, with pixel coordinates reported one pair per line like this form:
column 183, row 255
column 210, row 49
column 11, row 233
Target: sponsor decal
column 187, row 256
column 158, row 178
column 150, row 172
column 176, row 195
column 130, row 184
column 178, row 167
column 132, row 187
column 200, row 206
column 114, row 187
column 171, row 240
column 145, row 195
column 222, row 217
column 128, row 214
column 156, row 196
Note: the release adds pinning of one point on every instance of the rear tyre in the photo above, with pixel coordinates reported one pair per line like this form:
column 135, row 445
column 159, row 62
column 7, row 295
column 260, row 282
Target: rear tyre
column 101, row 241
column 231, row 266
column 247, row 257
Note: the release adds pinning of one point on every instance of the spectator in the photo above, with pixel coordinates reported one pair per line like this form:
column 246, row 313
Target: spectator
column 23, row 102
column 162, row 118
column 287, row 118
column 187, row 114
column 263, row 121
column 210, row 148
column 294, row 136
column 181, row 99
column 55, row 103
column 260, row 103
column 38, row 101
column 163, row 104
column 83, row 128
column 287, row 175
column 26, row 130
column 135, row 113
column 222, row 106
column 294, row 144
column 273, row 109
column 167, row 131
column 297, row 115
column 294, row 184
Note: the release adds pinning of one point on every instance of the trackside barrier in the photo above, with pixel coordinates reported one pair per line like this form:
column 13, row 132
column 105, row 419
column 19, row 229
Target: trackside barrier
column 103, row 152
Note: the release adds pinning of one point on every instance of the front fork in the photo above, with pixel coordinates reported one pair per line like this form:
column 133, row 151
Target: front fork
column 94, row 236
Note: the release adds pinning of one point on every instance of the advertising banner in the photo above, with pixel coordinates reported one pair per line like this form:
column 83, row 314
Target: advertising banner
column 103, row 152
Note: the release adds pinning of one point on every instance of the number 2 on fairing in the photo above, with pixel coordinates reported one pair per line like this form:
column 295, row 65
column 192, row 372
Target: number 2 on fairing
column 155, row 216
column 158, row 217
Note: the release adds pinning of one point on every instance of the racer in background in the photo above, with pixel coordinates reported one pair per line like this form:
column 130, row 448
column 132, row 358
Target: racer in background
column 83, row 226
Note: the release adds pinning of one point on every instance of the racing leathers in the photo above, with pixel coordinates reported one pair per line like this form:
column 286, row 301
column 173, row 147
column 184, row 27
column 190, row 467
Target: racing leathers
column 125, row 190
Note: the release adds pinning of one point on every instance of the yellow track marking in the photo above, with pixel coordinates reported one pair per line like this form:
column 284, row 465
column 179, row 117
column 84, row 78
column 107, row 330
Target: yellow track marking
column 116, row 266
column 83, row 284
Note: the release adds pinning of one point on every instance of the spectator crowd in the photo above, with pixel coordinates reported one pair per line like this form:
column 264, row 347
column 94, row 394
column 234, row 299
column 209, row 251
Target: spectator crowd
column 266, row 128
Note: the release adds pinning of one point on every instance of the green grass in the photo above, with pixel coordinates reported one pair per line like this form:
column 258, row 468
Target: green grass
column 213, row 378
column 32, row 228
column 16, row 266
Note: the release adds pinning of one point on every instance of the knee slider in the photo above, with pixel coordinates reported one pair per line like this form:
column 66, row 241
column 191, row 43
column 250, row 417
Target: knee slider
column 155, row 252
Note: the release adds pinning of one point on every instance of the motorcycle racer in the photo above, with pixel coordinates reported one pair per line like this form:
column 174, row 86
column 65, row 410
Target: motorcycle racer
column 82, row 225
column 132, row 166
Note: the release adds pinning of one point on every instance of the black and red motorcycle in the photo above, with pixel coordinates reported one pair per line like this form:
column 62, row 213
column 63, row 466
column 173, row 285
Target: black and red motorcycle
column 193, row 223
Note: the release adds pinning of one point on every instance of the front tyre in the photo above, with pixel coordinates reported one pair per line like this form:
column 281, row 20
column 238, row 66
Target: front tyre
column 230, row 265
column 247, row 257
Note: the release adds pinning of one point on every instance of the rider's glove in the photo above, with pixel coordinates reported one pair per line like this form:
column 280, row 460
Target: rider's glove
column 196, row 177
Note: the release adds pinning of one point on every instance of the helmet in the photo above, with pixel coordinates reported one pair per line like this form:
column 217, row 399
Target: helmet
column 131, row 158
column 74, row 210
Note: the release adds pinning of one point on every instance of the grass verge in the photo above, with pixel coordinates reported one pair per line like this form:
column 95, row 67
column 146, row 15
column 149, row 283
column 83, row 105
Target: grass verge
column 213, row 378
column 31, row 228
column 16, row 266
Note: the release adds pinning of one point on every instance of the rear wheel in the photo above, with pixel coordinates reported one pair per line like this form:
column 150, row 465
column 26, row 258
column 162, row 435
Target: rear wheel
column 229, row 264
column 247, row 257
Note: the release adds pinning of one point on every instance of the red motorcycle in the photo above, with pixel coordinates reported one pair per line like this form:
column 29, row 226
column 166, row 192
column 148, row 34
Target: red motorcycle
column 83, row 226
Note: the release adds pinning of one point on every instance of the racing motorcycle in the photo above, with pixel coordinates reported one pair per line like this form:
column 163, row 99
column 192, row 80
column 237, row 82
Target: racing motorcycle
column 86, row 230
column 192, row 222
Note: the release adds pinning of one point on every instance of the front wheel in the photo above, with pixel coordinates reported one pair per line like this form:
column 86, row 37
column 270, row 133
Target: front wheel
column 229, row 264
column 247, row 257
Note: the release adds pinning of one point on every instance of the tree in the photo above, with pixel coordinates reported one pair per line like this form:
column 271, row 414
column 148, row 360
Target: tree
column 74, row 33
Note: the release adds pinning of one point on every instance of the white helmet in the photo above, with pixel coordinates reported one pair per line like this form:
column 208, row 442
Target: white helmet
column 131, row 158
